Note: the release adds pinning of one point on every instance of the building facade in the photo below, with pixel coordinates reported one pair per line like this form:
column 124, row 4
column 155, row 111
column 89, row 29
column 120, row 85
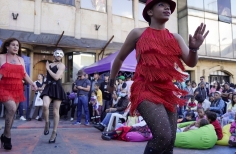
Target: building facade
column 88, row 25
column 217, row 55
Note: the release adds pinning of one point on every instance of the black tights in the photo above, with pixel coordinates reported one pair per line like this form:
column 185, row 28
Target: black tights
column 162, row 124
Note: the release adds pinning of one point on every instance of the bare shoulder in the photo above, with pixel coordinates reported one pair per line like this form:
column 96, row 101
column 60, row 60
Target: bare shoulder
column 177, row 36
column 137, row 32
column 61, row 66
column 21, row 60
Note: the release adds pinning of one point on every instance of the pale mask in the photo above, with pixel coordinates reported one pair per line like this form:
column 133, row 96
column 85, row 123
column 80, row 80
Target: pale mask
column 58, row 53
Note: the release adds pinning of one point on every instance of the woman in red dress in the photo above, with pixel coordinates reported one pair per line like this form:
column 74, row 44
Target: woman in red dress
column 12, row 72
column 158, row 53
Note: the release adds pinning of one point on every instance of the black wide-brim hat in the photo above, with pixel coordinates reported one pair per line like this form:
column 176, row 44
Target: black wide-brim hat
column 151, row 3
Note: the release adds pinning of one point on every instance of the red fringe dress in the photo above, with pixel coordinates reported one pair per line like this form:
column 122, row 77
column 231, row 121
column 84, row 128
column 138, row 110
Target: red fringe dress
column 158, row 53
column 11, row 85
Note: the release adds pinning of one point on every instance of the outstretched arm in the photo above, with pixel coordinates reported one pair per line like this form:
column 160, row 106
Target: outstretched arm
column 189, row 54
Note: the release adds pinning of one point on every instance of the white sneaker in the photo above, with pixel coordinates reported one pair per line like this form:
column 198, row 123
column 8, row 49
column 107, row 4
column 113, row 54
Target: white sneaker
column 71, row 119
column 22, row 118
column 37, row 118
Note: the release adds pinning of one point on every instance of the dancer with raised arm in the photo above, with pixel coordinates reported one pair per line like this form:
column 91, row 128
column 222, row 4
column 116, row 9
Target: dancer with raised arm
column 12, row 72
column 53, row 91
column 158, row 52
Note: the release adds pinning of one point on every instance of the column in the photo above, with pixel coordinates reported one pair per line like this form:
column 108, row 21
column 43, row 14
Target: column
column 136, row 11
column 31, row 95
column 109, row 19
column 77, row 20
column 37, row 16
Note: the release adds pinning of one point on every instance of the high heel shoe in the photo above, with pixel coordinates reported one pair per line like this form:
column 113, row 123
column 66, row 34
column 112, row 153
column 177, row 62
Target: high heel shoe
column 46, row 128
column 53, row 137
column 6, row 142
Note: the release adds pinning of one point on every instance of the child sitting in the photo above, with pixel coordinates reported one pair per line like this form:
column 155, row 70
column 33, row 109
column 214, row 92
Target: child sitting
column 201, row 114
column 212, row 118
column 189, row 117
column 195, row 125
column 95, row 105
column 231, row 110
column 232, row 139
column 192, row 104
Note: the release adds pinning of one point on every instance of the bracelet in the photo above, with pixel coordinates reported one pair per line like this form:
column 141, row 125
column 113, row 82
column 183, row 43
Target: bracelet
column 111, row 82
column 193, row 49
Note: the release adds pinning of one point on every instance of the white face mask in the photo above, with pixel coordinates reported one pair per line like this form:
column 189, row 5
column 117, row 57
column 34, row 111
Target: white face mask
column 58, row 53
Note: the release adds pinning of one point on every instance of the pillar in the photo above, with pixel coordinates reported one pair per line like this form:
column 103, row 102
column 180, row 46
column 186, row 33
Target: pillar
column 136, row 13
column 109, row 19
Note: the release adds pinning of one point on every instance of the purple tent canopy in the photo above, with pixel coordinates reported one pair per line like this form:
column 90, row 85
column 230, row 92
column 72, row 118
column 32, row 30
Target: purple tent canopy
column 105, row 64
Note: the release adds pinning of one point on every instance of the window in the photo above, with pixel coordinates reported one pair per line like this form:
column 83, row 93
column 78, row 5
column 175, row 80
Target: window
column 234, row 39
column 226, row 40
column 140, row 11
column 67, row 2
column 233, row 10
column 98, row 5
column 196, row 4
column 122, row 8
column 211, row 6
column 197, row 13
column 81, row 60
column 193, row 23
column 212, row 40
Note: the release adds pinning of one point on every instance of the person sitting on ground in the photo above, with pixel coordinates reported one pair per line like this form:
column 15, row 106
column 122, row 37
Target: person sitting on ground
column 218, row 105
column 200, row 114
column 232, row 140
column 212, row 118
column 121, row 132
column 118, row 108
column 189, row 117
column 229, row 115
column 95, row 104
column 195, row 125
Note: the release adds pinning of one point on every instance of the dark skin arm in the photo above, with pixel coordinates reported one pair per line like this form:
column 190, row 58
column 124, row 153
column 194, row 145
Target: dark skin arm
column 127, row 48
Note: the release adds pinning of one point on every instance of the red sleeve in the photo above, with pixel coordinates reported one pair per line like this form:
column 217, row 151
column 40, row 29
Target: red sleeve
column 218, row 129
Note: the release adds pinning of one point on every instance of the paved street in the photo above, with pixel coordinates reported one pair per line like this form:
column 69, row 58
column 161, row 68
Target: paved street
column 27, row 138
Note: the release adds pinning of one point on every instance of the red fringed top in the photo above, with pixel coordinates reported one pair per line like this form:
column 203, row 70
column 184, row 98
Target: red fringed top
column 11, row 86
column 158, row 53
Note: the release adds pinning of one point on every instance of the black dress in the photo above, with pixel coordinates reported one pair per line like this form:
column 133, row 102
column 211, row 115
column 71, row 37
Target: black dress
column 53, row 88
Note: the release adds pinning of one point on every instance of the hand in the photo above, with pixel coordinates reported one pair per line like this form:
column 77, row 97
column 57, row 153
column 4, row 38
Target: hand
column 197, row 39
column 107, row 110
column 47, row 65
column 34, row 87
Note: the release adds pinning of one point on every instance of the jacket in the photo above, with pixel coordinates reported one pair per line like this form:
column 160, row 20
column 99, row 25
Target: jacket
column 233, row 127
column 122, row 104
column 218, row 106
column 218, row 129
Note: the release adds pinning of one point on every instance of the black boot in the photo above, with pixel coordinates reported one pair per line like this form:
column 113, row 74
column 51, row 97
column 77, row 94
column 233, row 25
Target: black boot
column 149, row 150
column 6, row 142
column 100, row 127
column 105, row 137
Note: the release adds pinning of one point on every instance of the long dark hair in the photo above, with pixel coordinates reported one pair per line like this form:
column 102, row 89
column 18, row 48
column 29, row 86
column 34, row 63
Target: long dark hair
column 7, row 43
column 232, row 102
column 218, row 86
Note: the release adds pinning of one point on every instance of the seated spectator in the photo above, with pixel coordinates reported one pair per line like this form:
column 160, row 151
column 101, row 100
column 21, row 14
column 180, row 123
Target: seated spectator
column 192, row 104
column 231, row 110
column 201, row 92
column 218, row 105
column 195, row 125
column 190, row 116
column 215, row 87
column 200, row 114
column 121, row 132
column 118, row 108
column 225, row 93
column 232, row 139
column 212, row 118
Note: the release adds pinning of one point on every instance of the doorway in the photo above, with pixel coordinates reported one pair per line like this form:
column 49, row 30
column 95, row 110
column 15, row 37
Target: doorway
column 220, row 77
column 39, row 68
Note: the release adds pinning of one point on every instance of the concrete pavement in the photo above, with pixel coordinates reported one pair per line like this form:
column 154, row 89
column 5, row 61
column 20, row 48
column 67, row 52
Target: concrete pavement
column 27, row 138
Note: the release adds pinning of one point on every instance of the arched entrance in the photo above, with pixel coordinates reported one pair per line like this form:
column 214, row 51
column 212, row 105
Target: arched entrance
column 219, row 76
column 39, row 68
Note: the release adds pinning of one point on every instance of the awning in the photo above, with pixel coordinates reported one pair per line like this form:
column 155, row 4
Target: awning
column 51, row 39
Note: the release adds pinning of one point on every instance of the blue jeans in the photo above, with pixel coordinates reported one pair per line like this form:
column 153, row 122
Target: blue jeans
column 20, row 109
column 106, row 120
column 82, row 101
